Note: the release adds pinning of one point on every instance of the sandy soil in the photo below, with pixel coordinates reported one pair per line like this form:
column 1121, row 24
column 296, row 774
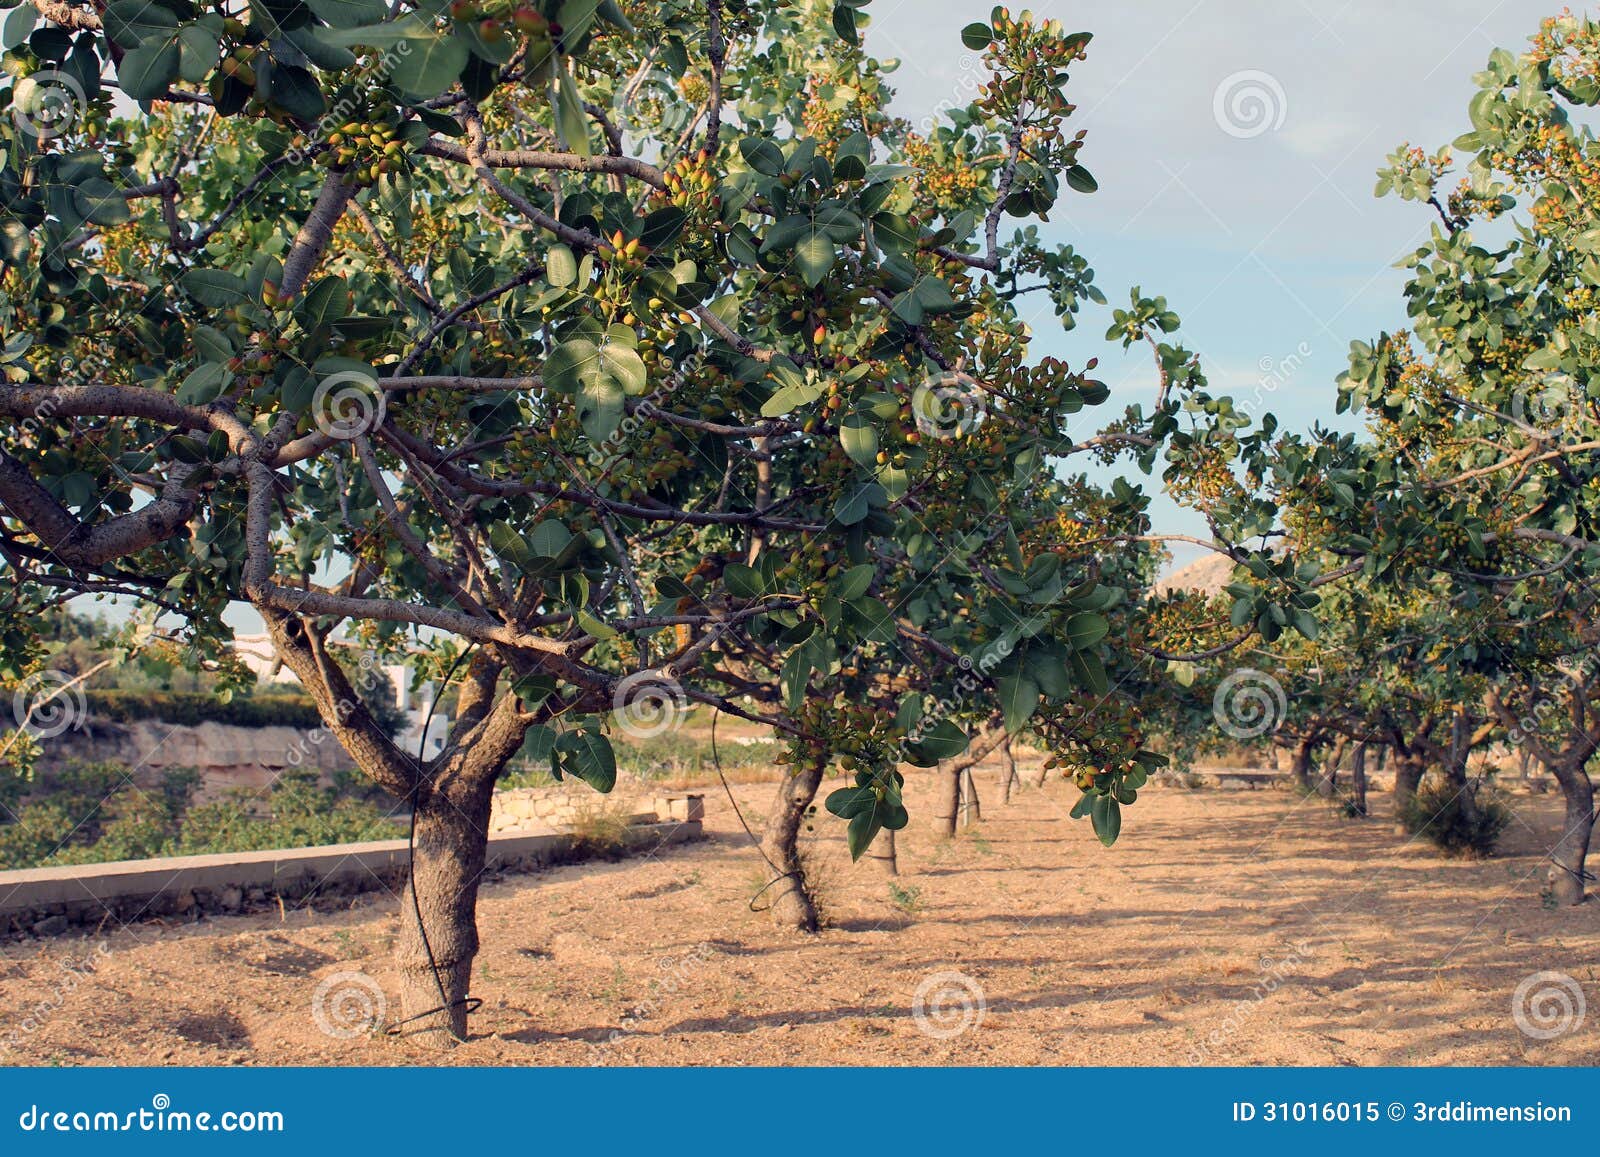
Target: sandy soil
column 1225, row 928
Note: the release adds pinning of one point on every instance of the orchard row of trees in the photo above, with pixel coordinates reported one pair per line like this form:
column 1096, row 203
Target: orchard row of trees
column 614, row 351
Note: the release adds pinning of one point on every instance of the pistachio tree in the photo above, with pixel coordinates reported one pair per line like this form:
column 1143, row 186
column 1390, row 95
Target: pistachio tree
column 606, row 353
column 1480, row 486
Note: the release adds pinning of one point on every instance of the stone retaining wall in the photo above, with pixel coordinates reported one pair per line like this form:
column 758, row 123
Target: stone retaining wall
column 50, row 901
column 569, row 805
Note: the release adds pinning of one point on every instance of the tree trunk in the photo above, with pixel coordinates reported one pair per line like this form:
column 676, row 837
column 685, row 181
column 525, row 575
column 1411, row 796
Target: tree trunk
column 792, row 905
column 1300, row 769
column 1455, row 769
column 1328, row 781
column 971, row 808
column 1568, row 876
column 947, row 804
column 1008, row 771
column 1408, row 769
column 1358, row 780
column 452, row 834
column 882, row 852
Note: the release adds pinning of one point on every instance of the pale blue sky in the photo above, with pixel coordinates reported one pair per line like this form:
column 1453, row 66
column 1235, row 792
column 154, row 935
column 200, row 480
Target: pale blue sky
column 1268, row 240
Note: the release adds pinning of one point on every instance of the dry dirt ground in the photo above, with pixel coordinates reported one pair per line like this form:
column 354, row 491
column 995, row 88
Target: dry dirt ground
column 1225, row 928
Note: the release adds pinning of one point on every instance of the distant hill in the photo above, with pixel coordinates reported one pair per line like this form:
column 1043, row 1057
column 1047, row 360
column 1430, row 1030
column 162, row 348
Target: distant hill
column 1207, row 575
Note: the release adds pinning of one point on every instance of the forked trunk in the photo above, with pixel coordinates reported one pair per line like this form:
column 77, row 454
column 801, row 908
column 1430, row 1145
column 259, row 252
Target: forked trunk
column 452, row 832
column 792, row 903
column 1567, row 873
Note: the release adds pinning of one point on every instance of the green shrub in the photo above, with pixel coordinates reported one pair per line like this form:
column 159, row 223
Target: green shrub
column 1462, row 820
column 271, row 709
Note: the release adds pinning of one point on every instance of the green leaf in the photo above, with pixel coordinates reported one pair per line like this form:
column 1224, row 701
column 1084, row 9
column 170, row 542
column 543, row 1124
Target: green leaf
column 204, row 383
column 1085, row 630
column 214, row 288
column 572, row 124
column 199, row 50
column 1019, row 699
column 348, row 13
column 99, row 201
column 793, row 677
column 570, row 364
column 853, row 507
column 18, row 24
column 944, row 740
column 626, row 368
column 814, row 257
column 432, row 64
column 148, row 71
column 560, row 267
column 743, row 582
column 588, row 756
column 549, row 539
column 977, row 36
column 129, row 23
column 853, row 583
column 601, row 401
column 1106, row 816
column 860, row 439
column 789, row 398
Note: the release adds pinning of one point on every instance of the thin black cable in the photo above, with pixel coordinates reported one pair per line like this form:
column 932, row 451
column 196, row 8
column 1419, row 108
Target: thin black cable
column 470, row 1003
column 716, row 761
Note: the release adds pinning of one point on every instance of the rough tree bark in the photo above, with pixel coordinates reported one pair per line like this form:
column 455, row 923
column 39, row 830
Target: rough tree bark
column 971, row 807
column 1328, row 779
column 947, row 801
column 1300, row 767
column 1569, row 763
column 1358, row 779
column 882, row 853
column 1008, row 771
column 1568, row 876
column 1408, row 768
column 792, row 903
